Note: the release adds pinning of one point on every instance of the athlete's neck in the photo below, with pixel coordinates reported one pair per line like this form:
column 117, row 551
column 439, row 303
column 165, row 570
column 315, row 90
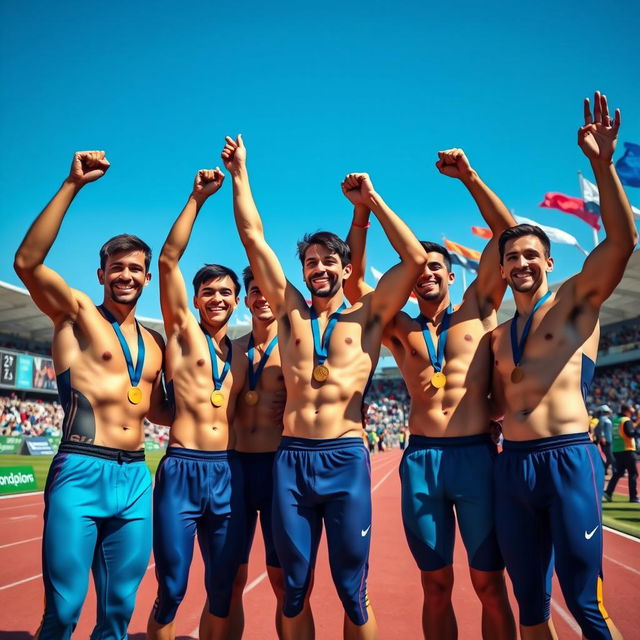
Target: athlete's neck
column 263, row 332
column 327, row 306
column 124, row 313
column 216, row 331
column 434, row 310
column 526, row 300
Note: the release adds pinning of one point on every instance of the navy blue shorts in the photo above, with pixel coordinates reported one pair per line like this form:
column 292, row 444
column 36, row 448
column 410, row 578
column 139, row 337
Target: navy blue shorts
column 257, row 471
column 438, row 475
column 548, row 502
column 330, row 480
column 197, row 492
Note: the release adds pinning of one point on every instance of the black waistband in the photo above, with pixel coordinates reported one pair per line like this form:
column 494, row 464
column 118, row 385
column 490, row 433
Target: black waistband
column 106, row 453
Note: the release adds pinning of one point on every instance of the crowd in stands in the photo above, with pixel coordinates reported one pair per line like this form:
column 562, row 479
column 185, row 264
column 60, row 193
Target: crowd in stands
column 614, row 385
column 20, row 344
column 626, row 334
column 29, row 417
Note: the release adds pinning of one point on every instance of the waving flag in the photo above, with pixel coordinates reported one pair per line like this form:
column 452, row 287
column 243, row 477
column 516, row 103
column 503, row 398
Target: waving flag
column 465, row 263
column 454, row 247
column 555, row 235
column 569, row 204
column 592, row 198
column 482, row 232
column 628, row 166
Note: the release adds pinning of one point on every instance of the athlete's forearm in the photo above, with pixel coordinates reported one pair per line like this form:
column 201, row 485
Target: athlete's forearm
column 400, row 236
column 44, row 230
column 178, row 238
column 245, row 211
column 493, row 210
column 615, row 210
column 357, row 240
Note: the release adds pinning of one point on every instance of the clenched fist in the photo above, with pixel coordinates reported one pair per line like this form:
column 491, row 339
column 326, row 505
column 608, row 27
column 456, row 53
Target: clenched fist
column 234, row 154
column 358, row 189
column 453, row 163
column 207, row 182
column 87, row 166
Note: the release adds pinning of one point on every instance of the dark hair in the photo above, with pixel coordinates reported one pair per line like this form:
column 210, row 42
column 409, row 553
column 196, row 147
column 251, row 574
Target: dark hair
column 215, row 272
column 247, row 277
column 626, row 407
column 329, row 241
column 519, row 231
column 437, row 248
column 121, row 243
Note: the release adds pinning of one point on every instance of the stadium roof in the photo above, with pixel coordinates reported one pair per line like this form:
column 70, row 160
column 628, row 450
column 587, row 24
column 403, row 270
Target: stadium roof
column 623, row 304
column 20, row 317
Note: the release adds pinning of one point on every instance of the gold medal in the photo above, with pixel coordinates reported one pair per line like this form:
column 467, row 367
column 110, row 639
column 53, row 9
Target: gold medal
column 320, row 373
column 251, row 397
column 217, row 398
column 438, row 380
column 134, row 395
column 517, row 375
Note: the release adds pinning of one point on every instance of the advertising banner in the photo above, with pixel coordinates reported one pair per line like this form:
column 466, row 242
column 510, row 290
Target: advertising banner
column 8, row 368
column 14, row 479
column 37, row 446
column 10, row 444
column 24, row 372
column 44, row 375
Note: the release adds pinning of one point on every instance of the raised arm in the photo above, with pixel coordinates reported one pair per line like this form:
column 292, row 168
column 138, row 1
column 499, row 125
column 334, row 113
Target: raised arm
column 173, row 291
column 48, row 289
column 394, row 287
column 489, row 285
column 355, row 286
column 605, row 265
column 263, row 260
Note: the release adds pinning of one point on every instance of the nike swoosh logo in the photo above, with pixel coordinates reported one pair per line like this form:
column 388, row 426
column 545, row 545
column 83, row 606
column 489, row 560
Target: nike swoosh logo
column 364, row 532
column 588, row 536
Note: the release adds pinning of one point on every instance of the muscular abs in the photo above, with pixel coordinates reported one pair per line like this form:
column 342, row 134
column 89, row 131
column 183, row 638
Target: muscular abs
column 460, row 408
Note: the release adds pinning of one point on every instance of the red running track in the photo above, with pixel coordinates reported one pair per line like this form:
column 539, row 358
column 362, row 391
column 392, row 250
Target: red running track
column 394, row 584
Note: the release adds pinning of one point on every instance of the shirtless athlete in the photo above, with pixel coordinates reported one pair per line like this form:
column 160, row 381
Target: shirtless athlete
column 198, row 483
column 321, row 470
column 109, row 371
column 549, row 475
column 258, row 429
column 449, row 461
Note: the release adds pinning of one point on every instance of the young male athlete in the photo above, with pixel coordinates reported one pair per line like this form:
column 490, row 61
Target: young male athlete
column 444, row 357
column 98, row 492
column 198, row 483
column 321, row 470
column 549, row 476
column 258, row 430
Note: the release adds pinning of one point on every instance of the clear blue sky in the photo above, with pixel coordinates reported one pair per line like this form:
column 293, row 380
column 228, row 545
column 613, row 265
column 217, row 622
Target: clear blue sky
column 318, row 90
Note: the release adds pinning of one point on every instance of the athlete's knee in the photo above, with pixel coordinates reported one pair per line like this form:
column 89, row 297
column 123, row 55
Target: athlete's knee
column 295, row 597
column 59, row 621
column 489, row 586
column 240, row 581
column 437, row 585
column 170, row 595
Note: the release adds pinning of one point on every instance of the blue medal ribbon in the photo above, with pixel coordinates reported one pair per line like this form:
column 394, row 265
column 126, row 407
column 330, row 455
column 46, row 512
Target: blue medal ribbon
column 218, row 380
column 321, row 347
column 135, row 373
column 437, row 359
column 254, row 375
column 517, row 348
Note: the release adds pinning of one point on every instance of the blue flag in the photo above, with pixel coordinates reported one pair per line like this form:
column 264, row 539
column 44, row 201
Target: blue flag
column 467, row 263
column 629, row 165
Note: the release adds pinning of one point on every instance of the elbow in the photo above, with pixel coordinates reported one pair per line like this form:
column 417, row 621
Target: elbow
column 251, row 238
column 21, row 264
column 166, row 261
column 417, row 260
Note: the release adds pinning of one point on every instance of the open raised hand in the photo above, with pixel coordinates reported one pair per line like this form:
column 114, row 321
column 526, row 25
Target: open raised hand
column 234, row 154
column 598, row 137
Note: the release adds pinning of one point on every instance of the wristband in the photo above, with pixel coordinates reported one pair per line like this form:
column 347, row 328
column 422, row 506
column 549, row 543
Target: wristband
column 361, row 226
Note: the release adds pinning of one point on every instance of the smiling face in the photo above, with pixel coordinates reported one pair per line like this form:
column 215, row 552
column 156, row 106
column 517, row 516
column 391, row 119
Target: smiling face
column 433, row 283
column 257, row 304
column 124, row 276
column 323, row 272
column 216, row 301
column 525, row 264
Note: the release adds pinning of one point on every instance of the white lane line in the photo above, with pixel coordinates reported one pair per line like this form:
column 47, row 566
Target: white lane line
column 22, row 495
column 21, row 506
column 622, row 564
column 383, row 479
column 249, row 587
column 566, row 616
column 15, row 584
column 620, row 533
column 13, row 544
column 22, row 517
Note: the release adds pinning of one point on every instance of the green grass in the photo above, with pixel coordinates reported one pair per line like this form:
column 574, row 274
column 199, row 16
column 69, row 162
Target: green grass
column 41, row 464
column 622, row 515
